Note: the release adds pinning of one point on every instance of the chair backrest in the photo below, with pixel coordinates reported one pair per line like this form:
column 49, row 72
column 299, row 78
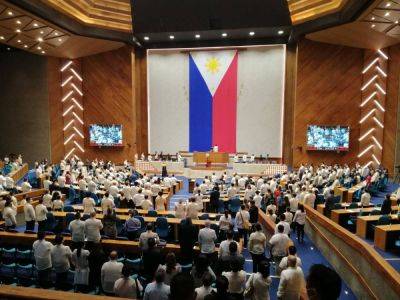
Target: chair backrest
column 337, row 206
column 375, row 212
column 7, row 270
column 384, row 220
column 141, row 219
column 204, row 217
column 69, row 208
column 161, row 223
column 353, row 205
column 152, row 213
column 69, row 217
column 24, row 271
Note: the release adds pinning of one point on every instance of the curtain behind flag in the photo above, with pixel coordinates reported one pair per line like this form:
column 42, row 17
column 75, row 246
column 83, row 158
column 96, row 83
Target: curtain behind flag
column 213, row 100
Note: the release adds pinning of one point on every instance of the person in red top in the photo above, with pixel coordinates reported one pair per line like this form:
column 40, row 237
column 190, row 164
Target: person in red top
column 68, row 179
column 277, row 193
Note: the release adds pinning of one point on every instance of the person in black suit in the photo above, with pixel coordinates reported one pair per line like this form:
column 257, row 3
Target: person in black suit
column 329, row 204
column 152, row 258
column 386, row 208
column 214, row 199
column 253, row 212
column 188, row 237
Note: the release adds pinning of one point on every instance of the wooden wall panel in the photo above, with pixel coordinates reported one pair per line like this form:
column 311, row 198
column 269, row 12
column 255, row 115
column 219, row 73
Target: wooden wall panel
column 328, row 93
column 392, row 98
column 108, row 99
column 55, row 109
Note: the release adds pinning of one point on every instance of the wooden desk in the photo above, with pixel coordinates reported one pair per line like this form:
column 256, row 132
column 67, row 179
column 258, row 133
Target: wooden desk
column 341, row 216
column 364, row 221
column 213, row 157
column 352, row 190
column 382, row 233
column 321, row 207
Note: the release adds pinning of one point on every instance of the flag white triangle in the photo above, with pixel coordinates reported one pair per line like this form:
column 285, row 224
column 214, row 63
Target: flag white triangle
column 213, row 66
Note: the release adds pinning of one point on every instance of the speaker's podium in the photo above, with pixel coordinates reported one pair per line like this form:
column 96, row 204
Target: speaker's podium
column 211, row 160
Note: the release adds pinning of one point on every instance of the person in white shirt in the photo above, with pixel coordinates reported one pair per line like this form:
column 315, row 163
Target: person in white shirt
column 257, row 246
column 92, row 228
column 92, row 186
column 107, row 203
column 160, row 202
column 180, row 210
column 9, row 183
column 29, row 214
column 291, row 281
column 111, row 271
column 42, row 253
column 294, row 204
column 203, row 187
column 286, row 226
column 284, row 262
column 288, row 216
column 231, row 192
column 207, row 238
column 58, row 204
column 225, row 222
column 61, row 181
column 236, row 278
column 144, row 237
column 9, row 215
column 272, row 207
column 88, row 205
column 60, row 259
column 242, row 182
column 279, row 243
column 206, row 288
column 242, row 220
column 300, row 219
column 192, row 209
column 244, row 158
column 138, row 198
column 41, row 215
column 25, row 186
column 146, row 204
column 365, row 199
column 224, row 246
column 257, row 199
column 248, row 193
column 260, row 282
column 126, row 287
column 77, row 229
column 48, row 200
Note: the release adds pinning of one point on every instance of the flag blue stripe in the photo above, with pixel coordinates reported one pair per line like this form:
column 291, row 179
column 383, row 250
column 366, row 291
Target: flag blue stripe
column 200, row 111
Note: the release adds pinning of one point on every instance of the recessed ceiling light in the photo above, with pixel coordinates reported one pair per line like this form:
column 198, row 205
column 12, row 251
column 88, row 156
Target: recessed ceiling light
column 397, row 22
column 39, row 48
column 43, row 52
column 372, row 18
column 197, row 36
column 40, row 39
column 8, row 49
column 387, row 13
column 35, row 25
column 224, row 34
column 55, row 33
column 146, row 38
column 18, row 22
column 2, row 37
column 171, row 37
column 251, row 33
column 42, row 32
column 25, row 46
column 373, row 25
column 60, row 40
column 18, row 30
column 10, row 13
column 19, row 41
column 280, row 32
column 388, row 4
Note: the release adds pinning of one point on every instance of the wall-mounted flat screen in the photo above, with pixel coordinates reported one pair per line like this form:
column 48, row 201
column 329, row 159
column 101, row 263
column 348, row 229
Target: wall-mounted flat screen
column 105, row 135
column 328, row 138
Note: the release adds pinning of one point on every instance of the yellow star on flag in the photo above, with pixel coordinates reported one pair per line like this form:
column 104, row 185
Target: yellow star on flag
column 213, row 65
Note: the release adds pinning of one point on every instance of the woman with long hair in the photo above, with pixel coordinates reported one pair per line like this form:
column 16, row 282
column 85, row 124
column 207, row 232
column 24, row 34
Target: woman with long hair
column 80, row 261
column 171, row 267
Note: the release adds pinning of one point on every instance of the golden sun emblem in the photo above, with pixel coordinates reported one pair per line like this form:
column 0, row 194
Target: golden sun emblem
column 213, row 65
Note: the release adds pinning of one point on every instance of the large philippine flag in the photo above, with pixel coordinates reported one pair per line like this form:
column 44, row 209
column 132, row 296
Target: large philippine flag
column 212, row 100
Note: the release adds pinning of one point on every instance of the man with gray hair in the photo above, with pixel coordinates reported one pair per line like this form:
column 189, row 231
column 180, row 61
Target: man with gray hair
column 207, row 238
column 292, row 280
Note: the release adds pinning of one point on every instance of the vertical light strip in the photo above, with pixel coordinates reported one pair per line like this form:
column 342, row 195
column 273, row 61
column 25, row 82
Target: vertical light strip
column 374, row 78
column 71, row 84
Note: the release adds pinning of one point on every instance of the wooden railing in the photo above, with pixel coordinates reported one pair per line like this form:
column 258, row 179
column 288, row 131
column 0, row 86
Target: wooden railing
column 319, row 223
column 17, row 292
column 19, row 173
